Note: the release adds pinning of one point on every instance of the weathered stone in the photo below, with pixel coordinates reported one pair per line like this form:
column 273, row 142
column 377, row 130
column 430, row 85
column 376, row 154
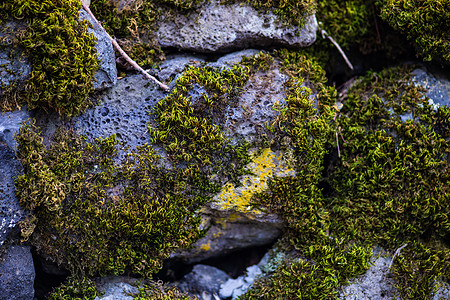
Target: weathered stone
column 17, row 274
column 10, row 167
column 116, row 288
column 374, row 284
column 437, row 85
column 203, row 279
column 14, row 66
column 122, row 110
column 106, row 76
column 219, row 28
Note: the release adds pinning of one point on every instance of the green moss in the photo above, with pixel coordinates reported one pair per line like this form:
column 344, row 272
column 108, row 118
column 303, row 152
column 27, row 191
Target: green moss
column 423, row 22
column 94, row 216
column 157, row 291
column 318, row 279
column 418, row 269
column 61, row 52
column 390, row 185
column 75, row 289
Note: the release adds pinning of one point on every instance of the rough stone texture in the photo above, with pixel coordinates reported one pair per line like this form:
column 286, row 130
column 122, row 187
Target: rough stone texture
column 10, row 167
column 437, row 84
column 174, row 65
column 221, row 28
column 17, row 274
column 374, row 284
column 122, row 110
column 14, row 67
column 106, row 76
column 116, row 288
column 203, row 280
column 229, row 232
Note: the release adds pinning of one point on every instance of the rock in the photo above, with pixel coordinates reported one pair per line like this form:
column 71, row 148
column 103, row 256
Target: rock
column 220, row 28
column 203, row 279
column 122, row 110
column 10, row 167
column 14, row 69
column 374, row 284
column 236, row 287
column 106, row 76
column 174, row 65
column 116, row 288
column 17, row 274
column 437, row 85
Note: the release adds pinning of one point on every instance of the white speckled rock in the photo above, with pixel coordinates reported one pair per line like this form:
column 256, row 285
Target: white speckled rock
column 219, row 28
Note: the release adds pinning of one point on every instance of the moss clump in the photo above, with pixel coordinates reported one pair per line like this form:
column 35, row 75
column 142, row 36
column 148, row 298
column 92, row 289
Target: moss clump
column 133, row 25
column 418, row 269
column 394, row 172
column 423, row 22
column 75, row 288
column 61, row 52
column 389, row 186
column 157, row 291
column 332, row 264
column 95, row 216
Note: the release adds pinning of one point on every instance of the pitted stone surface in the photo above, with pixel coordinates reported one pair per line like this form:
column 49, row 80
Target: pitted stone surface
column 14, row 66
column 220, row 28
column 122, row 110
column 17, row 274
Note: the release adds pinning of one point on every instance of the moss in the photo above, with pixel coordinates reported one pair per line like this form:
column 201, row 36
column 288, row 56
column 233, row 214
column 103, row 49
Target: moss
column 95, row 216
column 318, row 279
column 159, row 291
column 61, row 52
column 418, row 268
column 394, row 171
column 423, row 22
column 75, row 289
column 389, row 186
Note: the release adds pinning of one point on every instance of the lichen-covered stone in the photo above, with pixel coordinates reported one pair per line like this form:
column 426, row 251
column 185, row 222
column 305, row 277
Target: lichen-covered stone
column 219, row 28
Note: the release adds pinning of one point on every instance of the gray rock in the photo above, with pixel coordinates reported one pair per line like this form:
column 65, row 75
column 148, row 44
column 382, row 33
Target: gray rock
column 174, row 65
column 437, row 85
column 122, row 110
column 116, row 288
column 229, row 232
column 10, row 167
column 374, row 284
column 202, row 279
column 106, row 76
column 17, row 274
column 220, row 28
column 14, row 66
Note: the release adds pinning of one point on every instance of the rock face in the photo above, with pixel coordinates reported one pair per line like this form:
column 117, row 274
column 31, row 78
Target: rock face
column 14, row 69
column 10, row 211
column 437, row 85
column 17, row 274
column 106, row 76
column 116, row 288
column 203, row 279
column 219, row 28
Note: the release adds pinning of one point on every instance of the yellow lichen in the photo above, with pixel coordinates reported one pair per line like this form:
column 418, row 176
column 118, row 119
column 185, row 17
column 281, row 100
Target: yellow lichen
column 264, row 166
column 206, row 247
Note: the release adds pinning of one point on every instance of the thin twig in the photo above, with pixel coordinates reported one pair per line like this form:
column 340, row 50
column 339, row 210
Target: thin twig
column 337, row 143
column 127, row 58
column 397, row 252
column 376, row 24
column 325, row 34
